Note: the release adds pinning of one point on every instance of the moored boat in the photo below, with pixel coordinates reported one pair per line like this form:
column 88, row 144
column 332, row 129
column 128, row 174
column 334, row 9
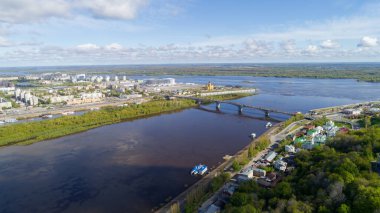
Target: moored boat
column 47, row 116
column 199, row 169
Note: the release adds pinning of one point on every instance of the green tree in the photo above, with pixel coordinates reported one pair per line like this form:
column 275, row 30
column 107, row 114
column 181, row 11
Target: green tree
column 239, row 199
column 284, row 190
column 236, row 166
column 367, row 199
column 343, row 208
column 367, row 121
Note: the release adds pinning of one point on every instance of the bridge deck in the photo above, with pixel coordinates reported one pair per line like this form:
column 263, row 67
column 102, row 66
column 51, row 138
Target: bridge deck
column 266, row 110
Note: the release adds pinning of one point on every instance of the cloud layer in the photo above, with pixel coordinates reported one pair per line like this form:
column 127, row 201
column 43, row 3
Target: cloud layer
column 350, row 38
column 21, row 11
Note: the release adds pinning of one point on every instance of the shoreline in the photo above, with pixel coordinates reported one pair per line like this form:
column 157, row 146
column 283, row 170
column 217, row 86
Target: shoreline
column 38, row 131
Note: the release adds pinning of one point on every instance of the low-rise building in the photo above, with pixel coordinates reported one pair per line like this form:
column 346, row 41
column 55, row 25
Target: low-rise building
column 60, row 99
column 308, row 145
column 374, row 110
column 352, row 111
column 319, row 139
column 270, row 156
column 312, row 133
column 245, row 175
column 259, row 172
column 290, row 148
column 280, row 165
column 7, row 89
column 5, row 104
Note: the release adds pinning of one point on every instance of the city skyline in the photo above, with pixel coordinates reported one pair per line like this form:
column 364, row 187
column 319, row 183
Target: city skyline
column 62, row 32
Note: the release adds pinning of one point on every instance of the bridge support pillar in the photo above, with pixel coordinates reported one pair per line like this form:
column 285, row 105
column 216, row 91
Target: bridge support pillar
column 240, row 109
column 218, row 105
column 266, row 113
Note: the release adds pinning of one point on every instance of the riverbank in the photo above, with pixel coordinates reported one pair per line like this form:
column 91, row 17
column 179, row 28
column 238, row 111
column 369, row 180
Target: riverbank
column 32, row 132
column 190, row 200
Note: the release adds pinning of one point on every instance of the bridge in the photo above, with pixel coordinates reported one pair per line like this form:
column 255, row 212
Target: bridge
column 239, row 106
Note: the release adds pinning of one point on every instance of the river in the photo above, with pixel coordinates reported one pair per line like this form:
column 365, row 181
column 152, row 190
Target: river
column 135, row 166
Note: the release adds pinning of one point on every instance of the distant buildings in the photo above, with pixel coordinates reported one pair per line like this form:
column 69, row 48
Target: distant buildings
column 26, row 97
column 316, row 136
column 160, row 82
column 352, row 112
column 210, row 86
column 374, row 110
column 5, row 104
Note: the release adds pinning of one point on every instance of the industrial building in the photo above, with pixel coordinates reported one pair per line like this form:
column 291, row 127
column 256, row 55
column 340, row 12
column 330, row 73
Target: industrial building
column 162, row 81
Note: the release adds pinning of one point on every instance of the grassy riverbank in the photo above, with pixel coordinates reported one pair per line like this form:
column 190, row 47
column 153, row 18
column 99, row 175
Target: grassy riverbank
column 27, row 133
column 32, row 132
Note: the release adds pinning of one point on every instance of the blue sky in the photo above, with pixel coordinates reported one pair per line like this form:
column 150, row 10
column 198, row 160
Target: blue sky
column 81, row 32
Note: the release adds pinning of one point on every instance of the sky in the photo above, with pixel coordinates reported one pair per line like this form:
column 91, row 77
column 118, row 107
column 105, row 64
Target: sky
column 102, row 32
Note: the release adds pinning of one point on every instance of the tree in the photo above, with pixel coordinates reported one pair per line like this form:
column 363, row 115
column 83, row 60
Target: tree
column 367, row 121
column 239, row 199
column 174, row 208
column 284, row 190
column 367, row 200
column 343, row 208
column 251, row 152
column 236, row 166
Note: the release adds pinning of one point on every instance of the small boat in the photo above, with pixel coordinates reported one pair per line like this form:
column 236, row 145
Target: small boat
column 2, row 123
column 199, row 169
column 10, row 120
column 47, row 116
column 68, row 113
column 253, row 135
column 94, row 109
column 269, row 124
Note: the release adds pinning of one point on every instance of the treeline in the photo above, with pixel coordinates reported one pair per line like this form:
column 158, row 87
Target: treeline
column 364, row 72
column 332, row 178
column 26, row 133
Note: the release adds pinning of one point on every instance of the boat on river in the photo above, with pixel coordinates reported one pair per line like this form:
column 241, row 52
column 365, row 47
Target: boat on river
column 269, row 124
column 68, row 113
column 253, row 135
column 199, row 169
column 10, row 120
column 47, row 116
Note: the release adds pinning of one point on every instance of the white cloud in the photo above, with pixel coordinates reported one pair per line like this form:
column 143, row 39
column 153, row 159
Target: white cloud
column 118, row 9
column 289, row 46
column 23, row 11
column 15, row 11
column 254, row 47
column 113, row 46
column 329, row 44
column 367, row 41
column 249, row 51
column 311, row 49
column 87, row 47
column 4, row 42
